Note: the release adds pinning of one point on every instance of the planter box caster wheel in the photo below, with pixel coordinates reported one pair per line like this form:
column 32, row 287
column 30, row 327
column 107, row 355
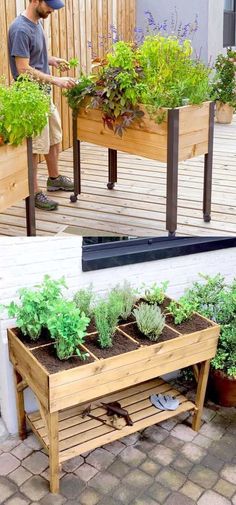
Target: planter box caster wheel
column 110, row 185
column 73, row 198
column 207, row 218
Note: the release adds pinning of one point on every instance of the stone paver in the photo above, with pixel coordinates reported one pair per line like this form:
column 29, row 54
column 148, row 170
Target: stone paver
column 8, row 463
column 53, row 499
column 89, row 497
column 125, row 493
column 138, row 479
column 212, row 497
column 132, row 456
column 212, row 431
column 100, row 459
column 119, row 469
column 33, row 442
column 158, row 492
column 180, row 499
column 7, row 489
column 144, row 500
column 156, row 433
column 72, row 464
column 225, row 488
column 71, row 486
column 203, row 476
column 36, row 463
column 171, row 479
column 191, row 490
column 85, row 472
column 35, row 488
column 183, row 432
column 150, row 467
column 229, row 473
column 182, row 464
column 17, row 499
column 193, row 452
column 21, row 451
column 162, row 454
column 104, row 483
column 115, row 447
column 20, row 475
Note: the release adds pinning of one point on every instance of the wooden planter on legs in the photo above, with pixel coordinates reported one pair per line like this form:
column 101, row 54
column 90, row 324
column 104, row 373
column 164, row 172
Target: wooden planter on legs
column 187, row 132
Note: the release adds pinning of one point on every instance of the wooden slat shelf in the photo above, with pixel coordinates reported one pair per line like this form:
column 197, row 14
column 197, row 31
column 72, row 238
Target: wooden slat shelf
column 78, row 435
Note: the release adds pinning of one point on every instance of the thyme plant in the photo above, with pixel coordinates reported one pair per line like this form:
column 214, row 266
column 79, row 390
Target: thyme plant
column 150, row 320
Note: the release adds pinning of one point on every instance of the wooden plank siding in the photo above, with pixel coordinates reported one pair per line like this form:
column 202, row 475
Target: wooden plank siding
column 69, row 33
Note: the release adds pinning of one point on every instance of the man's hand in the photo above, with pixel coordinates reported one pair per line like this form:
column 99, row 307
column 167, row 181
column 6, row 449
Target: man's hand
column 64, row 82
column 63, row 65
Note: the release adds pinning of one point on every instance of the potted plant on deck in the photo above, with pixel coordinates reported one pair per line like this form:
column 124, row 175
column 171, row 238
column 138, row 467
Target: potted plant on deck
column 224, row 88
column 151, row 100
column 24, row 108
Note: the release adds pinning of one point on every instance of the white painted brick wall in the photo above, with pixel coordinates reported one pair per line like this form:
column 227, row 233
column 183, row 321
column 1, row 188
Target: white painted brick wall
column 24, row 262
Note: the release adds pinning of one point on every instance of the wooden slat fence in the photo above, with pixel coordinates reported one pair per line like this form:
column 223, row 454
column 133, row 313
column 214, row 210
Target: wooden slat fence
column 83, row 29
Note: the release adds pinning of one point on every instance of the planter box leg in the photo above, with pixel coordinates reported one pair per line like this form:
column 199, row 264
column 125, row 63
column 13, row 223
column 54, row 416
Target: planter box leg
column 76, row 163
column 200, row 395
column 208, row 162
column 53, row 451
column 29, row 201
column 112, row 168
column 172, row 171
column 20, row 406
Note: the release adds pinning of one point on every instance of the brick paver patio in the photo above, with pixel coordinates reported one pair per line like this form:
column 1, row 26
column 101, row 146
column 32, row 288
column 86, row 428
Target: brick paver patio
column 165, row 464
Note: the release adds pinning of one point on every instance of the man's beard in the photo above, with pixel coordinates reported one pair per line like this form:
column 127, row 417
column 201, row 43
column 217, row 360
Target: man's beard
column 42, row 15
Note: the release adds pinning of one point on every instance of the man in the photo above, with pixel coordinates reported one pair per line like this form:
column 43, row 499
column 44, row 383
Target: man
column 28, row 54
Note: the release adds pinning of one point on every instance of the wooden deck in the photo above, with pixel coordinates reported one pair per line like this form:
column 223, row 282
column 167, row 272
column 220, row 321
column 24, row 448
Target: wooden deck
column 136, row 207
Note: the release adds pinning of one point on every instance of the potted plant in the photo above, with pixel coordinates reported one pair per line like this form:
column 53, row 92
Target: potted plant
column 216, row 300
column 24, row 108
column 151, row 100
column 224, row 88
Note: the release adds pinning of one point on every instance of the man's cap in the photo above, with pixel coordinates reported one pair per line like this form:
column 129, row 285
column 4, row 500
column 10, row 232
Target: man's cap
column 55, row 4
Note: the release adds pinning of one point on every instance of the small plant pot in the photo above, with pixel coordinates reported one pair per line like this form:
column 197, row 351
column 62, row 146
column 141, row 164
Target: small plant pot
column 224, row 113
column 222, row 388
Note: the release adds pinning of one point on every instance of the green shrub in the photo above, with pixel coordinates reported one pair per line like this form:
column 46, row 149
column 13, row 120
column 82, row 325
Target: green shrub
column 67, row 325
column 224, row 85
column 155, row 293
column 35, row 305
column 225, row 358
column 150, row 320
column 124, row 295
column 83, row 300
column 106, row 314
column 24, row 109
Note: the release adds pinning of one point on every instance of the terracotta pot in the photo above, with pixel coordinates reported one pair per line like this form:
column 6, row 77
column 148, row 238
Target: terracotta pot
column 222, row 388
column 224, row 113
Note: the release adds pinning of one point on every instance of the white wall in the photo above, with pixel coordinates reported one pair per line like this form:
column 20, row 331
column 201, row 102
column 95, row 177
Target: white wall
column 24, row 262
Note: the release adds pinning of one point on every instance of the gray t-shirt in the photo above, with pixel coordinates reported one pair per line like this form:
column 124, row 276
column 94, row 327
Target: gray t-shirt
column 27, row 40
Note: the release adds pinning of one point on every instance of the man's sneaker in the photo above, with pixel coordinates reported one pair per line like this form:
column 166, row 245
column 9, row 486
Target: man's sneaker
column 62, row 183
column 43, row 202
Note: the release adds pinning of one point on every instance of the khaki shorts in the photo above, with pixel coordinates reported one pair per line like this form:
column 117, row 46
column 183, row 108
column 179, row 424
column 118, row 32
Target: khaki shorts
column 50, row 135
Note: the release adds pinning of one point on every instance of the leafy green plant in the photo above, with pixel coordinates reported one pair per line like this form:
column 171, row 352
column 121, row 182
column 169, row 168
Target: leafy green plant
column 24, row 110
column 67, row 325
column 155, row 293
column 35, row 305
column 224, row 86
column 124, row 295
column 160, row 73
column 225, row 358
column 231, row 53
column 150, row 320
column 83, row 299
column 181, row 310
column 106, row 315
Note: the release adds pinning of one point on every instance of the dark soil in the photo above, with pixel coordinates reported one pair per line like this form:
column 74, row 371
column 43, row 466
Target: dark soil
column 162, row 306
column 134, row 332
column 196, row 323
column 130, row 319
column 91, row 328
column 43, row 339
column 47, row 357
column 121, row 345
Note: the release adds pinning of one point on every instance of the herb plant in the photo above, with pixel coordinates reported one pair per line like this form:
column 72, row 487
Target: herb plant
column 182, row 310
column 125, row 296
column 83, row 301
column 224, row 86
column 24, row 109
column 155, row 293
column 106, row 315
column 35, row 305
column 150, row 320
column 160, row 73
column 225, row 358
column 67, row 325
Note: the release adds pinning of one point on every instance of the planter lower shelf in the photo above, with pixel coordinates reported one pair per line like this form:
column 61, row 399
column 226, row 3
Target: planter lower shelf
column 78, row 435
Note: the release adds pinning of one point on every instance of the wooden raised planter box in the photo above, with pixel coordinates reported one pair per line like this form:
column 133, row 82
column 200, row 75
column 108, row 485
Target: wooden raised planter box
column 16, row 180
column 185, row 133
column 130, row 378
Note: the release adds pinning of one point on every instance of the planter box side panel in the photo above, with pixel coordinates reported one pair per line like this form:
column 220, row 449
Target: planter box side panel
column 30, row 369
column 193, row 130
column 148, row 140
column 120, row 372
column 13, row 175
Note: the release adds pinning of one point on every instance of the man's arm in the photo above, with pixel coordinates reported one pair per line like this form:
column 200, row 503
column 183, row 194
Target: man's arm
column 23, row 67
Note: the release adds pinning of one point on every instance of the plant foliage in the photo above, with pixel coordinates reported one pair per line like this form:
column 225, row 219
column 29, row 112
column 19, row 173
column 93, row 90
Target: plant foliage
column 150, row 320
column 24, row 109
column 67, row 326
column 83, row 299
column 224, row 86
column 106, row 314
column 181, row 310
column 155, row 293
column 35, row 305
column 124, row 295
